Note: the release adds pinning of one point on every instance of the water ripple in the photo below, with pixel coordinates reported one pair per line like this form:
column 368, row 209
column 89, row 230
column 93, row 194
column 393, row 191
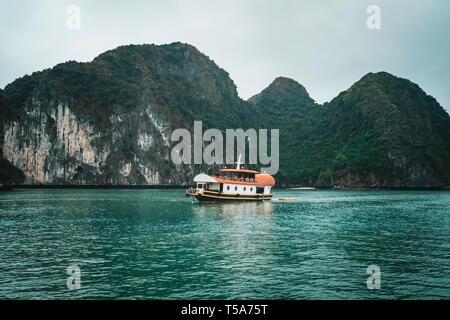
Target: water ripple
column 155, row 244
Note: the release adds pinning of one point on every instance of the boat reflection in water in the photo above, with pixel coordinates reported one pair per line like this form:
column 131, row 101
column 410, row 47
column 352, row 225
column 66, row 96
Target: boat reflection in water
column 243, row 235
column 237, row 208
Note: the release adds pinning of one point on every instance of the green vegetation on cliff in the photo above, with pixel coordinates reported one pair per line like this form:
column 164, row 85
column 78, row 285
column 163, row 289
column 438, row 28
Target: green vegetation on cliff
column 384, row 131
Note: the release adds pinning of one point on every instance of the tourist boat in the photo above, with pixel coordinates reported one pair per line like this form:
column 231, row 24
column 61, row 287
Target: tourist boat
column 232, row 185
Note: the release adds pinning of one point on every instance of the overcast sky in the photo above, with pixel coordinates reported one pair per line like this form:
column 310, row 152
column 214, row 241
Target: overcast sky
column 324, row 45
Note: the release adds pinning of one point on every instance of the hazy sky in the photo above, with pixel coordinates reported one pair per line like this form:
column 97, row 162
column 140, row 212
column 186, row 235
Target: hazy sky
column 324, row 45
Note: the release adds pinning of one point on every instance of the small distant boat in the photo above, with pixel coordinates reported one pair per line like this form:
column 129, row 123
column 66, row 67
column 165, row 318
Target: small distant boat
column 232, row 185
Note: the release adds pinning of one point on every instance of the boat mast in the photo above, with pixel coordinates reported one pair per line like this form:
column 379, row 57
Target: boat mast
column 239, row 162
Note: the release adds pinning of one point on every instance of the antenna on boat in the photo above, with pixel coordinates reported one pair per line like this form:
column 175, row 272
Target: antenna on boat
column 239, row 162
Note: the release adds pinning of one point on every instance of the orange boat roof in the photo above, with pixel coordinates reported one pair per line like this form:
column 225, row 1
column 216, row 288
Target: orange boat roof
column 265, row 179
column 239, row 170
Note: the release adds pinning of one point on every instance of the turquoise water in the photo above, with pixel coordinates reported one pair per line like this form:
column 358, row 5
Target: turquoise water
column 156, row 244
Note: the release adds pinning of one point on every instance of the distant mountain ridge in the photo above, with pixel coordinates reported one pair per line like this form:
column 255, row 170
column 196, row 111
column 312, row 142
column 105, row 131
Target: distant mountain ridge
column 384, row 131
column 109, row 122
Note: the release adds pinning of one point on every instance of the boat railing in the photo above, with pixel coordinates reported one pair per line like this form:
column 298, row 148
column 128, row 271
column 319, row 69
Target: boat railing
column 242, row 179
column 190, row 190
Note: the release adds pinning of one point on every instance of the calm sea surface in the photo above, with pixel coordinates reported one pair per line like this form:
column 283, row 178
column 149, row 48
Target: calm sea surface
column 156, row 244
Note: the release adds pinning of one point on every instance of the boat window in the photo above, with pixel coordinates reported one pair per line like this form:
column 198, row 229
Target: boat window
column 235, row 188
column 228, row 187
column 245, row 188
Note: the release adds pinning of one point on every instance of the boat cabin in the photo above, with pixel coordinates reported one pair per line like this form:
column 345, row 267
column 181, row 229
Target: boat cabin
column 238, row 175
column 234, row 181
column 233, row 185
